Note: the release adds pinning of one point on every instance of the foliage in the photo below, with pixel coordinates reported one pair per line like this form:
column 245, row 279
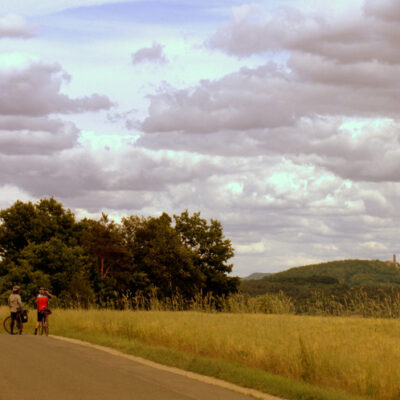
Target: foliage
column 353, row 273
column 361, row 287
column 210, row 251
column 103, row 240
column 101, row 261
column 167, row 263
column 25, row 223
column 25, row 276
column 67, row 268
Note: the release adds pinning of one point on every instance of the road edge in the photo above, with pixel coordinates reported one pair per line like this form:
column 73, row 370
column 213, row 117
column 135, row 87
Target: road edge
column 192, row 375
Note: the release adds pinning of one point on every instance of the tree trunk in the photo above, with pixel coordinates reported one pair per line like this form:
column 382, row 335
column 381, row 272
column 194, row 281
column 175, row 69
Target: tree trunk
column 102, row 267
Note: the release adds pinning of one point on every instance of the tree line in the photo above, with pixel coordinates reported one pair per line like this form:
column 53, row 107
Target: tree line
column 101, row 261
column 324, row 295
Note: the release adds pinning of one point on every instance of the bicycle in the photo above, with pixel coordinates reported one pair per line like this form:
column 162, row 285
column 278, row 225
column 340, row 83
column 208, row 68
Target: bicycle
column 44, row 323
column 18, row 324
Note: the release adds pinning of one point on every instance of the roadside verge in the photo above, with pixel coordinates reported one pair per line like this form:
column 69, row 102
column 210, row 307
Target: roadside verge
column 239, row 378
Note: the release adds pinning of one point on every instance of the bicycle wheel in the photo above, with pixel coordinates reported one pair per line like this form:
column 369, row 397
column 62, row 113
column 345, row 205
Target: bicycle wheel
column 7, row 326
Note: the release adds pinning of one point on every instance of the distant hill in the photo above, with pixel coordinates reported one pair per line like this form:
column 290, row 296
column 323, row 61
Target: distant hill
column 257, row 275
column 330, row 275
column 349, row 272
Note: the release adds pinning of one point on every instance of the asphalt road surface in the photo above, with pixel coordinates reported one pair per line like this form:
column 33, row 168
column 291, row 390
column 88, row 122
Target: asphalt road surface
column 34, row 367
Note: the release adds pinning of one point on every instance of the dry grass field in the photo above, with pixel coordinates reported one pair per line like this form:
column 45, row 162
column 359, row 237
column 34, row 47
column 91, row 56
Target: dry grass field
column 357, row 355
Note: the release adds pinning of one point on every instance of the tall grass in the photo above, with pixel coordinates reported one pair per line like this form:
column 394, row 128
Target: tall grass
column 358, row 355
column 355, row 303
column 347, row 352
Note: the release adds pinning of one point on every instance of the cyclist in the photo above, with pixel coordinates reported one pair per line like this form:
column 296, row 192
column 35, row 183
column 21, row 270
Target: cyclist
column 15, row 304
column 42, row 301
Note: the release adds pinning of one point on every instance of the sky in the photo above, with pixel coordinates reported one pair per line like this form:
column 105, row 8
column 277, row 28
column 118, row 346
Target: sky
column 279, row 118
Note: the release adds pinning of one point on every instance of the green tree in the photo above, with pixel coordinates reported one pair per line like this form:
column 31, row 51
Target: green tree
column 17, row 227
column 39, row 246
column 55, row 221
column 25, row 223
column 210, row 251
column 135, row 277
column 166, row 262
column 104, row 240
column 63, row 265
column 42, row 244
column 24, row 276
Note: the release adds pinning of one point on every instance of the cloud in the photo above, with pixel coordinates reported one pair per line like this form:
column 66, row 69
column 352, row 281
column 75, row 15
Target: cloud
column 35, row 90
column 375, row 246
column 269, row 97
column 15, row 26
column 154, row 54
column 388, row 10
column 252, row 248
column 368, row 36
column 31, row 135
column 295, row 155
column 41, row 135
column 300, row 110
column 308, row 147
column 81, row 171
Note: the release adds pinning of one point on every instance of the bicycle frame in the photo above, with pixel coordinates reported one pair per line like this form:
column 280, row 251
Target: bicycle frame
column 44, row 325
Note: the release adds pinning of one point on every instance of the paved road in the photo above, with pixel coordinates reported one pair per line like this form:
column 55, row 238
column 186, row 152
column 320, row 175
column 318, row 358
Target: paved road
column 33, row 368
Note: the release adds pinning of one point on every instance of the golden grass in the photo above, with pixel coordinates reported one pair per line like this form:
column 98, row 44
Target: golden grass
column 358, row 355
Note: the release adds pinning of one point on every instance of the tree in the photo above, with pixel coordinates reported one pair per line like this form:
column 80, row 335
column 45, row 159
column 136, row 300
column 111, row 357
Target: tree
column 103, row 239
column 210, row 251
column 54, row 221
column 24, row 276
column 129, row 227
column 42, row 244
column 17, row 226
column 39, row 247
column 134, row 277
column 167, row 263
column 63, row 265
column 25, row 223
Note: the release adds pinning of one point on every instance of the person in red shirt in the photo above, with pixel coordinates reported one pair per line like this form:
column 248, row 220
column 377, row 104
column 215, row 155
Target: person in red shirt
column 42, row 301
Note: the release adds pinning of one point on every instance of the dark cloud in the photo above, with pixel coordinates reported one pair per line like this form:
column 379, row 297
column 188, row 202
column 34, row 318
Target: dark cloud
column 79, row 172
column 27, row 135
column 62, row 174
column 154, row 54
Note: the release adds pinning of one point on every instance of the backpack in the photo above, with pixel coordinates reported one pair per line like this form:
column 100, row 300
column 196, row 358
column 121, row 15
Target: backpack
column 46, row 312
column 24, row 316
